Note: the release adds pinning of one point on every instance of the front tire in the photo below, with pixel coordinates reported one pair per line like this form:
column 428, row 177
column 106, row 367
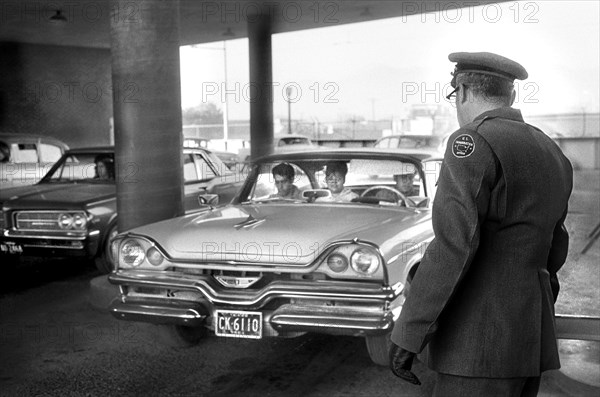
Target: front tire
column 379, row 348
column 105, row 261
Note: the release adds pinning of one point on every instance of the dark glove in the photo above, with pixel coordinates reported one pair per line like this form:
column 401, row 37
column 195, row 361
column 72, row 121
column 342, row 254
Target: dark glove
column 401, row 362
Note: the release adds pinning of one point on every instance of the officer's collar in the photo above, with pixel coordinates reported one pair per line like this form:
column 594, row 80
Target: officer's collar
column 504, row 113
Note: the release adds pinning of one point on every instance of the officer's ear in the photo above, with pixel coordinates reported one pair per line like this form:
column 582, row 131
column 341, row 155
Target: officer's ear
column 513, row 95
column 462, row 94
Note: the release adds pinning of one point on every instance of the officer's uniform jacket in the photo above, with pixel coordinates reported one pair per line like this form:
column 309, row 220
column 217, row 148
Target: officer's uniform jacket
column 482, row 300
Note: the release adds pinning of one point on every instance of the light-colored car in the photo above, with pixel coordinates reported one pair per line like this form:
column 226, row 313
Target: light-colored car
column 26, row 158
column 265, row 266
column 72, row 211
column 409, row 142
column 283, row 143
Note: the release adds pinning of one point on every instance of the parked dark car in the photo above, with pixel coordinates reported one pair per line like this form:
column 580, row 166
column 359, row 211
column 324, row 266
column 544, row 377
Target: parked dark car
column 72, row 211
column 26, row 158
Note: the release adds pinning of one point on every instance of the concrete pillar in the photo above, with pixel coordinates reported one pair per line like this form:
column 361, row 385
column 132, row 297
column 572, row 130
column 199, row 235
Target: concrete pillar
column 261, row 83
column 147, row 111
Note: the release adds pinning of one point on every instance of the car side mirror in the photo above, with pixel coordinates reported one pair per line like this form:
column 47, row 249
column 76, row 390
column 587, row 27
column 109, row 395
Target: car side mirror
column 208, row 199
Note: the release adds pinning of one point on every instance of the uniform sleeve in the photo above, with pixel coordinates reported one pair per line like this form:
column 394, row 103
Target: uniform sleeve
column 558, row 254
column 461, row 204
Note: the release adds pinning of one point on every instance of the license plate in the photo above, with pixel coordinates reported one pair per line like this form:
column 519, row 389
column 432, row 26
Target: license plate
column 238, row 324
column 11, row 248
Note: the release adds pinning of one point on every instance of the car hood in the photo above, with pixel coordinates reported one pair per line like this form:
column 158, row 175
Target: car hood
column 278, row 233
column 56, row 195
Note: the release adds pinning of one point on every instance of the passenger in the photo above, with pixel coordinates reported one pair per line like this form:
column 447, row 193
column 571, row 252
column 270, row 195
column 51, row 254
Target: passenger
column 335, row 177
column 284, row 174
column 105, row 167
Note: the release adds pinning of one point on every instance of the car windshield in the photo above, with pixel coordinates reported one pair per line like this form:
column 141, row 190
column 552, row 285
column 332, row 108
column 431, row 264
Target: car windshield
column 349, row 181
column 88, row 167
column 218, row 164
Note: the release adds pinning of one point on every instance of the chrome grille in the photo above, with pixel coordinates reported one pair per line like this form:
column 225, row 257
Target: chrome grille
column 37, row 220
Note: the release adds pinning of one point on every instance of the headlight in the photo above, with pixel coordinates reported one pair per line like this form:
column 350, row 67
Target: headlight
column 79, row 221
column 132, row 253
column 65, row 221
column 364, row 261
column 337, row 262
column 154, row 256
column 72, row 220
column 353, row 260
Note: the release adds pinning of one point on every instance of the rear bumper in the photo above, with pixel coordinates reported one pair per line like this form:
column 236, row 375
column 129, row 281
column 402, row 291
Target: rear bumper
column 333, row 307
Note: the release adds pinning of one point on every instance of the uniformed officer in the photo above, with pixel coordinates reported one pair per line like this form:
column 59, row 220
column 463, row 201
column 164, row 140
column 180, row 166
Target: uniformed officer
column 481, row 305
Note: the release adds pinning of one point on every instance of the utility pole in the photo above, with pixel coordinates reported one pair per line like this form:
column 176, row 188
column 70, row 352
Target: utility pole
column 225, row 115
column 288, row 94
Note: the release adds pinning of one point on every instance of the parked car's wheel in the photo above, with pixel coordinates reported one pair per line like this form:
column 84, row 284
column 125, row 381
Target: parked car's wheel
column 180, row 335
column 104, row 261
column 379, row 348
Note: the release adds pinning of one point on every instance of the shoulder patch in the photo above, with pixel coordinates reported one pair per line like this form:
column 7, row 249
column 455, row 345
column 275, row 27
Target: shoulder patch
column 463, row 146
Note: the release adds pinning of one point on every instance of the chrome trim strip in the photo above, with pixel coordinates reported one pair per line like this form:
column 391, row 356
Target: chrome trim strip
column 43, row 236
column 53, row 246
column 291, row 322
column 156, row 313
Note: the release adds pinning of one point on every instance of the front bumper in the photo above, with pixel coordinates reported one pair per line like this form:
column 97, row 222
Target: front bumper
column 288, row 306
column 44, row 245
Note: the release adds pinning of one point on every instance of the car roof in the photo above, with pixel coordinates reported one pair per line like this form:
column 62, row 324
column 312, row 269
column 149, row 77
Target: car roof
column 11, row 137
column 343, row 153
column 111, row 149
column 293, row 136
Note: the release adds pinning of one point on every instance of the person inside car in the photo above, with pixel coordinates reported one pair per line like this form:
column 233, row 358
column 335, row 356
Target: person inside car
column 405, row 181
column 404, row 184
column 335, row 177
column 105, row 168
column 284, row 174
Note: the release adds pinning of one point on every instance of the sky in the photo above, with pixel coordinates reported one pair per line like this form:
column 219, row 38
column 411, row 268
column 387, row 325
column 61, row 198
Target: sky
column 378, row 69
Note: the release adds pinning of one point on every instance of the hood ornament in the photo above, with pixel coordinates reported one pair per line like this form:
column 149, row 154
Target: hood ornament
column 237, row 282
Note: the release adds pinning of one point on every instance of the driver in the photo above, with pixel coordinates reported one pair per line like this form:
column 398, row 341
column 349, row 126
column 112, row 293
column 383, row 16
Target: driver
column 404, row 184
column 105, row 167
